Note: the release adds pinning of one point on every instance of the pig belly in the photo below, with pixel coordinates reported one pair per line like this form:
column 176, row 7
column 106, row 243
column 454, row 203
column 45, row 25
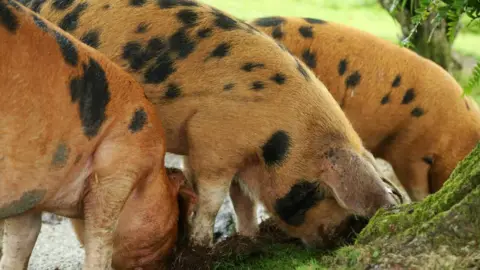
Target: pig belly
column 23, row 190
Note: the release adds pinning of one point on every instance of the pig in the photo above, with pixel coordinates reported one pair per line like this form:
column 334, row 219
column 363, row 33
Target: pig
column 145, row 218
column 235, row 103
column 78, row 139
column 406, row 108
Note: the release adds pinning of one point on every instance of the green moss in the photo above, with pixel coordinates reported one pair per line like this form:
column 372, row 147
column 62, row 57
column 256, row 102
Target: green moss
column 462, row 181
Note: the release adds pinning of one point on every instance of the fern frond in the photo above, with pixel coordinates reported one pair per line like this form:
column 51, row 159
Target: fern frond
column 474, row 80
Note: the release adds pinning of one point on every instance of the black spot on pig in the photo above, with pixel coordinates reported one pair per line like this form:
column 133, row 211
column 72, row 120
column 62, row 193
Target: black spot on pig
column 60, row 156
column 188, row 17
column 204, row 32
column 302, row 196
column 276, row 149
column 396, row 82
column 181, row 43
column 137, row 3
column 91, row 38
column 173, row 91
column 248, row 67
column 314, row 21
column 175, row 3
column 342, row 67
column 91, row 92
column 62, row 4
column 258, row 85
column 269, row 21
column 353, row 80
column 278, row 78
column 306, row 31
column 417, row 112
column 277, row 32
column 428, row 160
column 220, row 51
column 309, row 58
column 409, row 96
column 139, row 119
column 40, row 23
column 7, row 18
column 160, row 70
column 27, row 201
column 385, row 99
column 68, row 49
column 142, row 28
column 70, row 21
column 225, row 22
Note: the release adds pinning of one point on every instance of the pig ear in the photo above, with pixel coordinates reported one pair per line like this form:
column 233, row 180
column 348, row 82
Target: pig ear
column 187, row 200
column 188, row 195
column 177, row 178
column 355, row 183
column 349, row 197
column 394, row 187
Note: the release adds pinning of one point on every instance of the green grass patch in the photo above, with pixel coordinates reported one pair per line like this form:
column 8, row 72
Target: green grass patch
column 276, row 256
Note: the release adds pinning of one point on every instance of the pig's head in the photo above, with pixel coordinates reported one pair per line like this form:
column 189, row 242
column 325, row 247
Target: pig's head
column 149, row 224
column 324, row 196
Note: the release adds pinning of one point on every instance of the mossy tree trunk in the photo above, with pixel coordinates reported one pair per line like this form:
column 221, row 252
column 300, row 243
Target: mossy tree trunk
column 442, row 231
column 430, row 40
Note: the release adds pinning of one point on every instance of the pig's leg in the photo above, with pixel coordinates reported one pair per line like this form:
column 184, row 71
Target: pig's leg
column 187, row 170
column 21, row 233
column 78, row 226
column 415, row 180
column 412, row 172
column 212, row 189
column 214, row 159
column 245, row 211
column 1, row 235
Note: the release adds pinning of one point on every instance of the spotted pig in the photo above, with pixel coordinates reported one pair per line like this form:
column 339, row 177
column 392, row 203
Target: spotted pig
column 237, row 104
column 407, row 109
column 78, row 139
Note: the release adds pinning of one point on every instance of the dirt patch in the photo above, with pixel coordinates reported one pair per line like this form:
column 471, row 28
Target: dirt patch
column 201, row 258
column 241, row 247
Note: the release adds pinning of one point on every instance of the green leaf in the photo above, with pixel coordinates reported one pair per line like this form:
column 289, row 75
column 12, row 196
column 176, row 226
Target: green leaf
column 474, row 80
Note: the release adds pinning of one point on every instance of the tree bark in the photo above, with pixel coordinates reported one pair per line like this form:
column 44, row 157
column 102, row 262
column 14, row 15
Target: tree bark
column 430, row 40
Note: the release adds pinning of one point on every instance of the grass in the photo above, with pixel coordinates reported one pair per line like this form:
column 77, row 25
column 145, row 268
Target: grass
column 277, row 256
column 363, row 14
column 366, row 15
